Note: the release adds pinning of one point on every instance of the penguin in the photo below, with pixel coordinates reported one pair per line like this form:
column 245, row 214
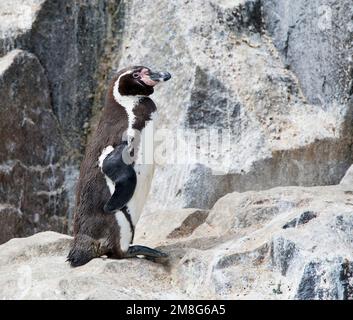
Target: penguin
column 114, row 183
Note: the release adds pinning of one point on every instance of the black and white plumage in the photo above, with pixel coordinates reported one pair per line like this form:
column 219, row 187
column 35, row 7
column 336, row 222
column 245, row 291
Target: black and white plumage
column 114, row 178
column 128, row 195
column 122, row 178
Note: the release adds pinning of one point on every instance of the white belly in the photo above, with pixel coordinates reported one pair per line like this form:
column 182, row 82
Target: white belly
column 144, row 175
column 125, row 230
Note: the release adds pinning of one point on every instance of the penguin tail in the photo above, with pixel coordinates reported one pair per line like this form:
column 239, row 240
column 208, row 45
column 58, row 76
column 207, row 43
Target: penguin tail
column 83, row 250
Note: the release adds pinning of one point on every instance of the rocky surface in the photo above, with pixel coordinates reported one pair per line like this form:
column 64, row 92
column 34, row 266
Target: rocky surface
column 248, row 222
column 282, row 243
column 48, row 104
column 32, row 193
column 71, row 40
column 277, row 75
column 232, row 70
column 314, row 46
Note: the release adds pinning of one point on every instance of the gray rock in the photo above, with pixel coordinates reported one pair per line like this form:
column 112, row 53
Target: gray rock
column 239, row 250
column 305, row 217
column 325, row 280
column 347, row 180
column 282, row 254
column 176, row 224
column 32, row 177
column 229, row 72
column 314, row 45
column 71, row 40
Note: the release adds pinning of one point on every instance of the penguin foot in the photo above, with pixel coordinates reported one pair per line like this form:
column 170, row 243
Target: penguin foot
column 149, row 253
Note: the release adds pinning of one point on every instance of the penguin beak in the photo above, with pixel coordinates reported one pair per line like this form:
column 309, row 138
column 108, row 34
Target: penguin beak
column 152, row 78
column 160, row 76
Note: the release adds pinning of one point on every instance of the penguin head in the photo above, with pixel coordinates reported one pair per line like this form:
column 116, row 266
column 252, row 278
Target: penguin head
column 139, row 81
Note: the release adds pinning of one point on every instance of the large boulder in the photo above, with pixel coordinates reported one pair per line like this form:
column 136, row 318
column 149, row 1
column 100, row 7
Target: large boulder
column 49, row 92
column 282, row 243
column 72, row 40
column 32, row 178
column 39, row 271
column 315, row 46
column 229, row 72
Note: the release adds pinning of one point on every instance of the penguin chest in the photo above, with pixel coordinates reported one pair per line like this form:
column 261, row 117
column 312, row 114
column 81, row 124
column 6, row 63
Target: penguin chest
column 128, row 217
column 144, row 169
column 127, row 220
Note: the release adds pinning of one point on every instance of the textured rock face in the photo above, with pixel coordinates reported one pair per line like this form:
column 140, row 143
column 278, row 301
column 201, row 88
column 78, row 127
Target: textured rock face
column 275, row 76
column 69, row 38
column 32, row 196
column 231, row 70
column 318, row 49
column 69, row 44
column 283, row 243
column 297, row 240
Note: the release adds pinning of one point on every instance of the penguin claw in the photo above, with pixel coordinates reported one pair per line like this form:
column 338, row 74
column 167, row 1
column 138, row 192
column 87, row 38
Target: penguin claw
column 149, row 253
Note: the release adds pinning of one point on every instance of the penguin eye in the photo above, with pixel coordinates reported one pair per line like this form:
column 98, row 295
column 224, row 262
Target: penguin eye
column 135, row 75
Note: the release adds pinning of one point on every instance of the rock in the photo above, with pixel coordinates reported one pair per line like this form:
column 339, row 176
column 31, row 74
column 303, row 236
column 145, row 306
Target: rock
column 305, row 217
column 316, row 48
column 319, row 280
column 347, row 180
column 307, row 259
column 23, row 261
column 275, row 78
column 239, row 250
column 229, row 72
column 71, row 40
column 180, row 224
column 32, row 177
column 282, row 254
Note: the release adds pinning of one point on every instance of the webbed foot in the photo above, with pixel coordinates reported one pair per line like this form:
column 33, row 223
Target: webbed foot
column 149, row 253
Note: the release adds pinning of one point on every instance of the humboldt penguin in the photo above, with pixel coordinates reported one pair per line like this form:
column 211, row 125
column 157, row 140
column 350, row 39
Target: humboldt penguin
column 115, row 177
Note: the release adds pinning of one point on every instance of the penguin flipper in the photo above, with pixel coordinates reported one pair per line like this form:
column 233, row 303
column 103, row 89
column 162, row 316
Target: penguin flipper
column 123, row 176
column 124, row 190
